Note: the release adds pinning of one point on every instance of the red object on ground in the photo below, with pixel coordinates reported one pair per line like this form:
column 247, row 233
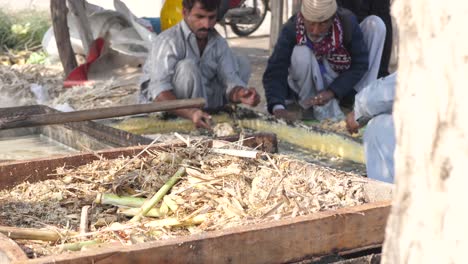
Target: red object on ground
column 79, row 75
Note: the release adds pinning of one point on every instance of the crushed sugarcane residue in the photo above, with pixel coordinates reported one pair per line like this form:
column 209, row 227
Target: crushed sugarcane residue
column 216, row 192
column 18, row 81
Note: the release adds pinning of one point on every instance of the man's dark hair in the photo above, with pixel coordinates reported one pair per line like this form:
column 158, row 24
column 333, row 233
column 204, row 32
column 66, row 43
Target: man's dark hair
column 208, row 5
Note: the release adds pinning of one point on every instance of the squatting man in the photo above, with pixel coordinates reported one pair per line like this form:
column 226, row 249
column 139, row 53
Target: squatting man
column 192, row 60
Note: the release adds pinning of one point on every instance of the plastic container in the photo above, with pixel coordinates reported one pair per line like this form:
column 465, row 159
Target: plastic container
column 171, row 13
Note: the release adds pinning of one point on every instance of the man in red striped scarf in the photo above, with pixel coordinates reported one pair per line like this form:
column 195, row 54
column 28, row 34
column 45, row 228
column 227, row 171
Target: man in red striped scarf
column 322, row 56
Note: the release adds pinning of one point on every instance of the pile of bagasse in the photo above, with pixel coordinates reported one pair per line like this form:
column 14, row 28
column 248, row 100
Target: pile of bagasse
column 216, row 191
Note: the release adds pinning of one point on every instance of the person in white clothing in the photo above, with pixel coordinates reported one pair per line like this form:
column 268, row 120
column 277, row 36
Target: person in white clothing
column 373, row 106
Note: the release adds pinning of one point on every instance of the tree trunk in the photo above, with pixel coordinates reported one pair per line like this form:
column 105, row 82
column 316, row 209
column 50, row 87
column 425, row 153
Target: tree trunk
column 58, row 11
column 429, row 219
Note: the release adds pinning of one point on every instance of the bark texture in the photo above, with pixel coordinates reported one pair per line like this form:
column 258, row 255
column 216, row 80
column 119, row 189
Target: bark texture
column 429, row 219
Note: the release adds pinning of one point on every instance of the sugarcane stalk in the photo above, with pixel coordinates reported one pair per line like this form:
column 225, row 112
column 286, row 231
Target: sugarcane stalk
column 84, row 219
column 113, row 199
column 196, row 220
column 251, row 154
column 30, row 233
column 78, row 245
column 154, row 212
column 158, row 196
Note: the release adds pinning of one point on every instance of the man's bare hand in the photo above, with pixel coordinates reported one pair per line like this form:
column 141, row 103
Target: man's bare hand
column 351, row 124
column 201, row 119
column 285, row 114
column 246, row 96
column 322, row 98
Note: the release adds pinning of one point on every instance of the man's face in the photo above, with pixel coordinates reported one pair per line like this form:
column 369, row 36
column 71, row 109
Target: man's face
column 317, row 30
column 200, row 21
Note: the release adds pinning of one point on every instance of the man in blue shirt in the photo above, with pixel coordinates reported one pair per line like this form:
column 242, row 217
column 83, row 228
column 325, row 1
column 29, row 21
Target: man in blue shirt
column 322, row 56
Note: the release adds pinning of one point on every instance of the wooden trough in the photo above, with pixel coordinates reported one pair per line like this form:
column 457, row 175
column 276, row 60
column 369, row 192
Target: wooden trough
column 89, row 135
column 282, row 241
column 86, row 135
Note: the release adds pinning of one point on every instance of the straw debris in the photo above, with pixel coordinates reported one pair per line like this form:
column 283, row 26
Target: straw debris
column 16, row 82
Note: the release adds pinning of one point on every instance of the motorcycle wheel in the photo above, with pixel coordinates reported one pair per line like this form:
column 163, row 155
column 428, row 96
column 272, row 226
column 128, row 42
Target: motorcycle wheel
column 244, row 30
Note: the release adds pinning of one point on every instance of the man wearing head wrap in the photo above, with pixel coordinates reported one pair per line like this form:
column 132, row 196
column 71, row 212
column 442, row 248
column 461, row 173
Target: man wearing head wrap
column 322, row 56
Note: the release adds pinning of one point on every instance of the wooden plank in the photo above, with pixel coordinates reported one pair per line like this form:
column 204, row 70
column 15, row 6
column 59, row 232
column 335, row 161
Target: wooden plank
column 58, row 11
column 98, row 113
column 16, row 172
column 78, row 9
column 10, row 251
column 273, row 242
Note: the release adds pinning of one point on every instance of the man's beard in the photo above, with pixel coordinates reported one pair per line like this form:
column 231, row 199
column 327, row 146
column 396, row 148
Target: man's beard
column 316, row 38
column 205, row 31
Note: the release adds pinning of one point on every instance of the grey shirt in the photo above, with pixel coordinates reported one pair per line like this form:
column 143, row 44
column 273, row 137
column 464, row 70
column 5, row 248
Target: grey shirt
column 217, row 64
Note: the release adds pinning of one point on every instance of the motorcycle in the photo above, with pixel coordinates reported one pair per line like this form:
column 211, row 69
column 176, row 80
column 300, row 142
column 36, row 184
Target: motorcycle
column 243, row 16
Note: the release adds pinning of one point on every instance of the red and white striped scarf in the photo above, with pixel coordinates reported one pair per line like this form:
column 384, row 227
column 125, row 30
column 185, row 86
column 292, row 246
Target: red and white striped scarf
column 330, row 47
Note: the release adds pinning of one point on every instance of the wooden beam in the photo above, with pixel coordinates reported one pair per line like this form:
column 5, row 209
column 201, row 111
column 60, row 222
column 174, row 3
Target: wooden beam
column 78, row 9
column 276, row 21
column 282, row 241
column 58, row 11
column 99, row 113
